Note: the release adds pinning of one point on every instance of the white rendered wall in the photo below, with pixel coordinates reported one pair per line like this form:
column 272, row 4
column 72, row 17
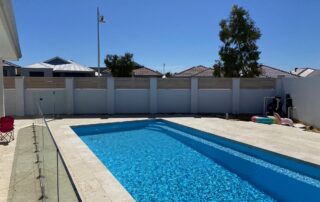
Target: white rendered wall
column 132, row 101
column 53, row 101
column 10, row 101
column 305, row 93
column 90, row 101
column 251, row 100
column 214, row 101
column 174, row 100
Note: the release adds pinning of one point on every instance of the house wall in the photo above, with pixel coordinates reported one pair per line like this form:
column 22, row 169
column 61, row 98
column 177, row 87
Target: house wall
column 9, row 71
column 26, row 71
column 306, row 98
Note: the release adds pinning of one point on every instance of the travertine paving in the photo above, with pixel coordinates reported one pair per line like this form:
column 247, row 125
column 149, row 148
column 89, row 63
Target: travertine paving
column 91, row 176
column 95, row 183
column 284, row 140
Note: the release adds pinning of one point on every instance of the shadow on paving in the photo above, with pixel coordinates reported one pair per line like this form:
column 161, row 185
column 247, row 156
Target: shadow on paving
column 25, row 183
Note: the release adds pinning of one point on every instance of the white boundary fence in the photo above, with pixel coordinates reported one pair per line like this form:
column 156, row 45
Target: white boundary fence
column 154, row 95
column 136, row 95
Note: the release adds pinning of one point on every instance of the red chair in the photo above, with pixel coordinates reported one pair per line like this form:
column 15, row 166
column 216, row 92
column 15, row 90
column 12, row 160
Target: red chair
column 7, row 128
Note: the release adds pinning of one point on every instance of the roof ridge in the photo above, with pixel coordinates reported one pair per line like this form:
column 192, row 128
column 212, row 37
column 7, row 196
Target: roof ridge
column 56, row 57
column 191, row 68
column 150, row 70
column 210, row 68
column 278, row 69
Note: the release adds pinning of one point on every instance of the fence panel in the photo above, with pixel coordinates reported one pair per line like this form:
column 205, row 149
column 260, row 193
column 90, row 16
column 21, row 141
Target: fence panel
column 174, row 83
column 9, row 82
column 44, row 82
column 131, row 83
column 215, row 83
column 257, row 83
column 90, row 82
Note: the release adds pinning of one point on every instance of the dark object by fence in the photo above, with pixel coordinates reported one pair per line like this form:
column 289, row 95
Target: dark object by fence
column 275, row 106
column 289, row 103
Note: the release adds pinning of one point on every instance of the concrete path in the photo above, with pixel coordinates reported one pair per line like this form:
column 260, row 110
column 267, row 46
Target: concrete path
column 24, row 185
column 7, row 157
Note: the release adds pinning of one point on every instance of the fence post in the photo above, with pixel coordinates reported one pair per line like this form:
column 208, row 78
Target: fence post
column 153, row 99
column 235, row 95
column 194, row 95
column 19, row 84
column 111, row 95
column 70, row 95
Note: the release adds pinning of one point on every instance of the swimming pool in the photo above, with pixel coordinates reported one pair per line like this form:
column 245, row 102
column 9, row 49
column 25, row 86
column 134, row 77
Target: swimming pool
column 156, row 160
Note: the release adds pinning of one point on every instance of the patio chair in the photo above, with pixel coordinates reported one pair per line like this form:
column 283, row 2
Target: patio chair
column 7, row 128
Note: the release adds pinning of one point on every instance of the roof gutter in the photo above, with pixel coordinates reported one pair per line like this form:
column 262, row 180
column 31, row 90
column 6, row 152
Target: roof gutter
column 8, row 24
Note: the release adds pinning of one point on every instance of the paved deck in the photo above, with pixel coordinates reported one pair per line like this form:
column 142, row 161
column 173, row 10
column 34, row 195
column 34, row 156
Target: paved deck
column 96, row 183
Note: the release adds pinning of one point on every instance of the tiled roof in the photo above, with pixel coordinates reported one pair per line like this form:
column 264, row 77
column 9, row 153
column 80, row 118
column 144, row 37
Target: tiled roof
column 205, row 73
column 191, row 71
column 271, row 72
column 144, row 71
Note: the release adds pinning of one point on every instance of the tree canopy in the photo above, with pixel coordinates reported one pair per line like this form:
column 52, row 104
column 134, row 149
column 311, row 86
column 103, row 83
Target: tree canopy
column 120, row 66
column 239, row 53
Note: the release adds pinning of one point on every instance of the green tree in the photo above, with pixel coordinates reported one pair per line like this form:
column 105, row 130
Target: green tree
column 168, row 74
column 239, row 54
column 120, row 66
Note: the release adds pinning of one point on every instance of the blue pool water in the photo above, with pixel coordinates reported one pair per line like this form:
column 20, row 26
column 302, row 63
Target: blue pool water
column 157, row 160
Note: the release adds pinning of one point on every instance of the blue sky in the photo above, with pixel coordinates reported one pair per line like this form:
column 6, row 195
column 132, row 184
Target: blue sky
column 179, row 33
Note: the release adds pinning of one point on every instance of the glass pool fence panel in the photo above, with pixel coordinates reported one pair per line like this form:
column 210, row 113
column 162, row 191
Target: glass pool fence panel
column 39, row 150
column 54, row 179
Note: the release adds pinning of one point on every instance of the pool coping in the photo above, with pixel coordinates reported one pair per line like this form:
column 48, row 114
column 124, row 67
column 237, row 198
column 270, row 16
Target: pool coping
column 92, row 179
column 102, row 185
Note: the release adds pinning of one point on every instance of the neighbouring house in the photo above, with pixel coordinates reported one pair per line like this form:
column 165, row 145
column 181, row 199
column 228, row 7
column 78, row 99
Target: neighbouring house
column 302, row 72
column 202, row 71
column 315, row 73
column 205, row 73
column 96, row 70
column 193, row 71
column 57, row 67
column 139, row 71
column 10, row 69
column 145, row 72
column 272, row 72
